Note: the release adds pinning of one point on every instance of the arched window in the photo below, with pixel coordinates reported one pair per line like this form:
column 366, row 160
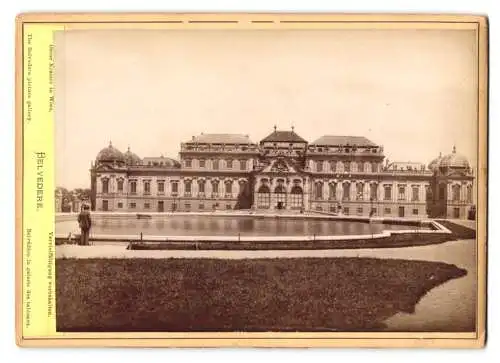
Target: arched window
column 469, row 193
column 280, row 194
column 360, row 167
column 105, row 185
column 242, row 185
column 332, row 189
column 373, row 191
column 296, row 197
column 346, row 191
column 347, row 167
column 263, row 197
column 229, row 163
column 333, row 166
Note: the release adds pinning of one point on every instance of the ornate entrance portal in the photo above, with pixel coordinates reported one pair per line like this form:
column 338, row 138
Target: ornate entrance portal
column 277, row 194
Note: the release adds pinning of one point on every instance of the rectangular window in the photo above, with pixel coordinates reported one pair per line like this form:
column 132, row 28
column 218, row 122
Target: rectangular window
column 161, row 187
column 215, row 164
column 215, row 188
column 201, row 186
column 401, row 192
column 201, row 207
column 319, row 207
column 120, row 185
column 373, row 211
column 229, row 164
column 147, row 205
column 456, row 193
column 187, row 187
column 132, row 205
column 187, row 206
column 360, row 210
column 188, row 163
column 387, row 192
column 147, row 187
column 415, row 212
column 415, row 190
column 374, row 167
column 243, row 165
column 456, row 212
column 347, row 167
column 133, row 187
column 202, row 163
column 175, row 187
column 333, row 208
column 387, row 211
column 318, row 190
column 319, row 166
column 346, row 211
column 361, row 167
column 228, row 206
column 120, row 205
column 229, row 188
column 105, row 186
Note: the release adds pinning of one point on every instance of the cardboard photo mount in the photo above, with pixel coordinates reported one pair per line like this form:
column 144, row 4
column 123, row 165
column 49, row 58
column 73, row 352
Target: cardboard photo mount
column 31, row 97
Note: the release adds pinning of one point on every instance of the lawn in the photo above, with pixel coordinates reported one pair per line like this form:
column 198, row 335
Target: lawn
column 187, row 295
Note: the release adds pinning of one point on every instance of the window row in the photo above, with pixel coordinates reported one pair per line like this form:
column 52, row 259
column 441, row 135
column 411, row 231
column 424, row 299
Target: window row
column 216, row 186
column 347, row 192
column 333, row 208
column 346, row 166
column 161, row 207
column 216, row 164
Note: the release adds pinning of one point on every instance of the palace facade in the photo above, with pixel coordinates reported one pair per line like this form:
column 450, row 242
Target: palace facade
column 334, row 174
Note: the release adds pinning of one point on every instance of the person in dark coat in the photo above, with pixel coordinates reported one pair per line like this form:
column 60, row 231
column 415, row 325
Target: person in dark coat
column 85, row 224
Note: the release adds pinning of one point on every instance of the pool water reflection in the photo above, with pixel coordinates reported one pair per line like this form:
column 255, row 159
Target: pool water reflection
column 183, row 225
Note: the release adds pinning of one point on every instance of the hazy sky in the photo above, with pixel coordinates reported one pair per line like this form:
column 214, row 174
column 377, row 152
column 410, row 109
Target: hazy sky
column 412, row 91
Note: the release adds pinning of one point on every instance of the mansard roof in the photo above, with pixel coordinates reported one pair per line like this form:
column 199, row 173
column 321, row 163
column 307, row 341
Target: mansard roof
column 221, row 139
column 334, row 140
column 283, row 136
column 405, row 165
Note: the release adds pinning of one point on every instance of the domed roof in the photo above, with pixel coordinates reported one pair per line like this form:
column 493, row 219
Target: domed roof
column 131, row 158
column 454, row 160
column 110, row 153
column 435, row 163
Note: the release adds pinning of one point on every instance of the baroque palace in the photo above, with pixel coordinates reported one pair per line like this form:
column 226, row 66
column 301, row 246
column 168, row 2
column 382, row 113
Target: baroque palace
column 336, row 174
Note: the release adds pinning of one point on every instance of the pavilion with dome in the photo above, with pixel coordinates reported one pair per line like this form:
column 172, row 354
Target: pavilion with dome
column 346, row 175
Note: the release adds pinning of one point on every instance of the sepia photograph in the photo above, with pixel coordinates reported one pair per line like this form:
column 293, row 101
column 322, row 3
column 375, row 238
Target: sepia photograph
column 266, row 180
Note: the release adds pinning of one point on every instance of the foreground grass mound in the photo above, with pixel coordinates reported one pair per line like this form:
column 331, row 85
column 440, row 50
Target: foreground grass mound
column 186, row 295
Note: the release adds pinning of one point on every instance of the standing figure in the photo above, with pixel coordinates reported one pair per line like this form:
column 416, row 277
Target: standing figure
column 85, row 223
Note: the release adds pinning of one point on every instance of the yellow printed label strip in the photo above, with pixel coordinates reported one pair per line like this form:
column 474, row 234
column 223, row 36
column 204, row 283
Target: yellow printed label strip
column 39, row 315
